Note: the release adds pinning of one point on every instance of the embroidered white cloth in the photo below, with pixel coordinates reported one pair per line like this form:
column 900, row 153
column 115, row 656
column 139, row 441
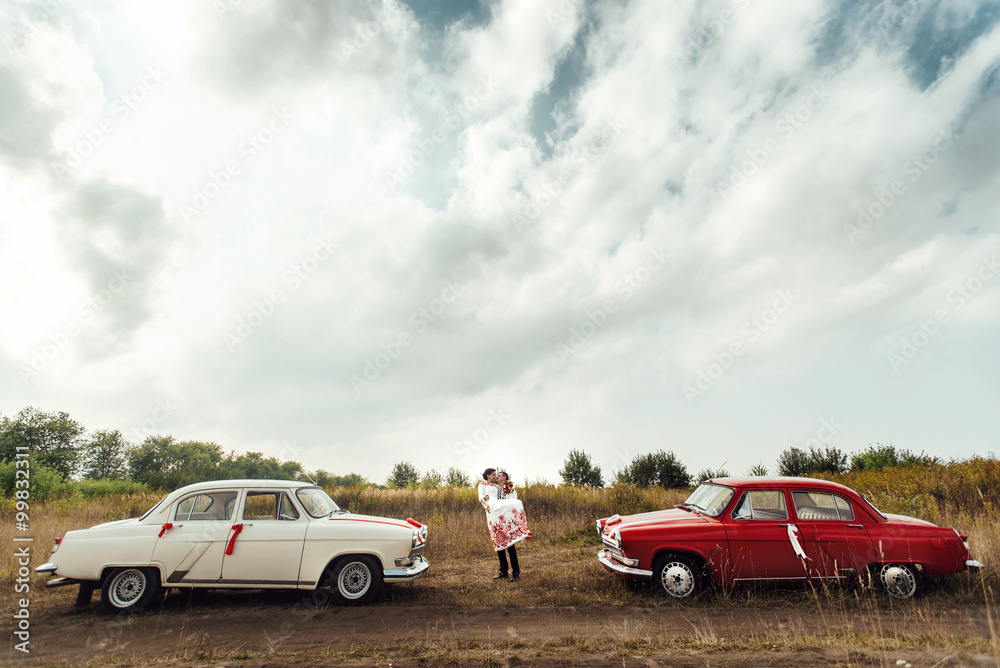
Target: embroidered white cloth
column 504, row 516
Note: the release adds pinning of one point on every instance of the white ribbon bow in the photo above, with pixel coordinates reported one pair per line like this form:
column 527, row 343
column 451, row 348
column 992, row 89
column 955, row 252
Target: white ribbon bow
column 799, row 552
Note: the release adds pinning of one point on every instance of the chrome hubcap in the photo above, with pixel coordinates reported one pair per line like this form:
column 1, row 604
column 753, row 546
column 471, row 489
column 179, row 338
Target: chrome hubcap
column 677, row 579
column 899, row 581
column 127, row 588
column 354, row 580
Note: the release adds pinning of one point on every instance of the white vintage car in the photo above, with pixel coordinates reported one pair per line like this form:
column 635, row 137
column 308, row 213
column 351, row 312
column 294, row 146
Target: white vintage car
column 239, row 534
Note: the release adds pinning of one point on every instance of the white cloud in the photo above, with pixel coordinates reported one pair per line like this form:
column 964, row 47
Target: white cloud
column 740, row 145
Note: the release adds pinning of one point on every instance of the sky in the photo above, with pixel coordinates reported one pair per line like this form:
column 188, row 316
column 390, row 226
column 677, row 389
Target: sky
column 487, row 233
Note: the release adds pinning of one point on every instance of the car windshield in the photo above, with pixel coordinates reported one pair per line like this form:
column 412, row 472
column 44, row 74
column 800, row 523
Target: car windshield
column 146, row 514
column 709, row 499
column 872, row 506
column 316, row 502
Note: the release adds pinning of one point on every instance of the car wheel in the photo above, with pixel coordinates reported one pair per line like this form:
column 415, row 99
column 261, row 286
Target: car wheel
column 356, row 580
column 128, row 591
column 677, row 576
column 899, row 580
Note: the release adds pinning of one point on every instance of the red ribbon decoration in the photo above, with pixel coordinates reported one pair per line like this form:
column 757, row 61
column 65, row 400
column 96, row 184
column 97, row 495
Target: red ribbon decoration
column 164, row 528
column 237, row 528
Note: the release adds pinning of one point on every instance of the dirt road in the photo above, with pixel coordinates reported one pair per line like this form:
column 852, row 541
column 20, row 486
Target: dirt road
column 219, row 628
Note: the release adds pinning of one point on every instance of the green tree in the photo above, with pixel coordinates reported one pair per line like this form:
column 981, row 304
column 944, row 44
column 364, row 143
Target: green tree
column 255, row 466
column 326, row 479
column 883, row 456
column 758, row 470
column 46, row 483
column 53, row 439
column 658, row 468
column 162, row 463
column 794, row 462
column 827, row 460
column 457, row 478
column 432, row 480
column 404, row 474
column 105, row 456
column 578, row 470
column 708, row 474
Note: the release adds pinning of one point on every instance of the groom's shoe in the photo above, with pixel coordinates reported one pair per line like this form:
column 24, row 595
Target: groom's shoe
column 502, row 575
column 515, row 577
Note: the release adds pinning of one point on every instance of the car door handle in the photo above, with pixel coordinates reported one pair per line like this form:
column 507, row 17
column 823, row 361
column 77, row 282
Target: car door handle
column 856, row 526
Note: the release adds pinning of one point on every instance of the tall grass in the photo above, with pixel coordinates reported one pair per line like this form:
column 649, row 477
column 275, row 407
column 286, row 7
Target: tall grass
column 561, row 555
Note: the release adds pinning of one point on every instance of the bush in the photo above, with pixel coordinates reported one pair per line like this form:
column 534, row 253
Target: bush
column 45, row 483
column 796, row 462
column 89, row 488
column 659, row 468
column 708, row 474
column 793, row 462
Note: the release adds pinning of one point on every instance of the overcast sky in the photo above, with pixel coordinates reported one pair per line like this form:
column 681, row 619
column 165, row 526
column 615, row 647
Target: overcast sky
column 483, row 233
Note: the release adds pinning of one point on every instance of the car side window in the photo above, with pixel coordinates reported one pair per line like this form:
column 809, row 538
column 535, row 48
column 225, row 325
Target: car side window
column 207, row 506
column 269, row 506
column 813, row 506
column 763, row 504
column 286, row 509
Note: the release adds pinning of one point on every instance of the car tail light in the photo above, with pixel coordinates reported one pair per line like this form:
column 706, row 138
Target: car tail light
column 59, row 541
column 415, row 523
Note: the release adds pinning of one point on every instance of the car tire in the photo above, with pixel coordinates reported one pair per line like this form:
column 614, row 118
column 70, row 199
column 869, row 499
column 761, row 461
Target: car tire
column 899, row 580
column 677, row 576
column 355, row 580
column 131, row 590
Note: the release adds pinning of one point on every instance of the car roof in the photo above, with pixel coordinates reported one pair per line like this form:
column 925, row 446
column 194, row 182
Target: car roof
column 162, row 507
column 258, row 484
column 779, row 481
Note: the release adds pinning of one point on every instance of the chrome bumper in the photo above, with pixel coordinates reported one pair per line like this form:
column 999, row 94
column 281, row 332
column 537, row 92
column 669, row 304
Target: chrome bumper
column 60, row 582
column 415, row 570
column 604, row 557
column 973, row 565
column 47, row 567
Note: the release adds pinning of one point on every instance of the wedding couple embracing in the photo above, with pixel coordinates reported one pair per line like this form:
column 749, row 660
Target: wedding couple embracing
column 505, row 518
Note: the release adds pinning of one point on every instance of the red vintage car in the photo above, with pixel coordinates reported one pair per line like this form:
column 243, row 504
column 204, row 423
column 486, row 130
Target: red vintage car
column 778, row 530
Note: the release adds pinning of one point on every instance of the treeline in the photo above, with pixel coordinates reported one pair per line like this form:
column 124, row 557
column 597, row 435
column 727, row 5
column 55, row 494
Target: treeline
column 65, row 457
column 664, row 469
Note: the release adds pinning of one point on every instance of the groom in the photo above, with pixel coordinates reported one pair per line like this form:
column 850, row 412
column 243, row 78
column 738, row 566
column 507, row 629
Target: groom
column 490, row 476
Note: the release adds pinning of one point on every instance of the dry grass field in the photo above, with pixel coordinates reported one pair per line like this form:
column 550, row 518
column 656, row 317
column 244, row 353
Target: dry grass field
column 566, row 610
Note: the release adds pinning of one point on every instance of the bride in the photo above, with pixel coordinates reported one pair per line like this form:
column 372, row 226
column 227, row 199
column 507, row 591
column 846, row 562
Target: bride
column 505, row 518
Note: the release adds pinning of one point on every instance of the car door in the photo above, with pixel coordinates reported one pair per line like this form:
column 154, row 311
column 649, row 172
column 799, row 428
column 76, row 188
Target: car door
column 191, row 544
column 759, row 544
column 267, row 549
column 835, row 541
